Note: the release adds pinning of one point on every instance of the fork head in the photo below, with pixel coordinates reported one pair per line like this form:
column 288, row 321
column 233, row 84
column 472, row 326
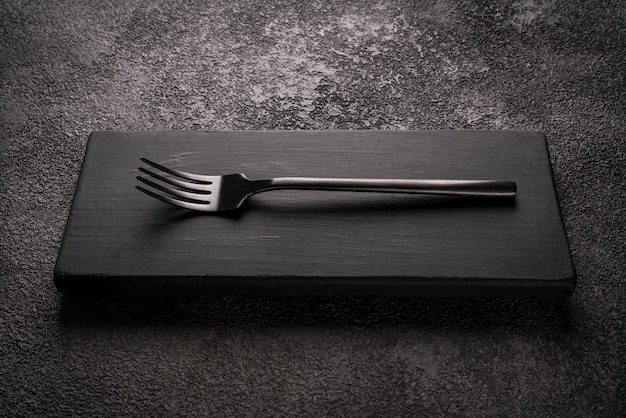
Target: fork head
column 194, row 191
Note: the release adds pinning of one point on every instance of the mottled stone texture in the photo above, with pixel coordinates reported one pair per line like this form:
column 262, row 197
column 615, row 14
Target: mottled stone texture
column 69, row 67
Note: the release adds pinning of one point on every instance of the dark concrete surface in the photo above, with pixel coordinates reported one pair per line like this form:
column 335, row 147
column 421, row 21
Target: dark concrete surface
column 68, row 68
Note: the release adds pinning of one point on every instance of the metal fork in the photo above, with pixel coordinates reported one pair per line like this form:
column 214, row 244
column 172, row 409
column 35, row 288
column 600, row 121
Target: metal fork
column 229, row 192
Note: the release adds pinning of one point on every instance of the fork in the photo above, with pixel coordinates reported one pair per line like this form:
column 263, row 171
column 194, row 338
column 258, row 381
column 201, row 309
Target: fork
column 229, row 192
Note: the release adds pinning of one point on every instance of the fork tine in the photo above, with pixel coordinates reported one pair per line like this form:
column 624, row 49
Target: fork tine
column 178, row 173
column 184, row 185
column 194, row 197
column 202, row 207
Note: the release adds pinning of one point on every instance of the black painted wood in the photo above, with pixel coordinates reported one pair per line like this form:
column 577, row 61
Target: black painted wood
column 119, row 241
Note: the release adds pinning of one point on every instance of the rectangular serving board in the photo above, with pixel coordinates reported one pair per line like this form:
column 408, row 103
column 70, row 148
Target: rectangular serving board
column 120, row 241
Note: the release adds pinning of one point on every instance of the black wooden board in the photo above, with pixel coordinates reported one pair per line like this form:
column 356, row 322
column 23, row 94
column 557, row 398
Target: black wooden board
column 120, row 241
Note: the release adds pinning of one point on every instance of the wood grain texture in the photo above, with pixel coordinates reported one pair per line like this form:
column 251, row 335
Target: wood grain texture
column 289, row 242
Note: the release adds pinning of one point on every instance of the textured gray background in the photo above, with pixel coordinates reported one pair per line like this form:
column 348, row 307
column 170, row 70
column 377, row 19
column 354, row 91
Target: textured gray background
column 68, row 68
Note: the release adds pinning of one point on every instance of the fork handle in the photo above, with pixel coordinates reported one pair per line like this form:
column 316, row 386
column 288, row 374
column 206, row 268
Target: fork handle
column 482, row 188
